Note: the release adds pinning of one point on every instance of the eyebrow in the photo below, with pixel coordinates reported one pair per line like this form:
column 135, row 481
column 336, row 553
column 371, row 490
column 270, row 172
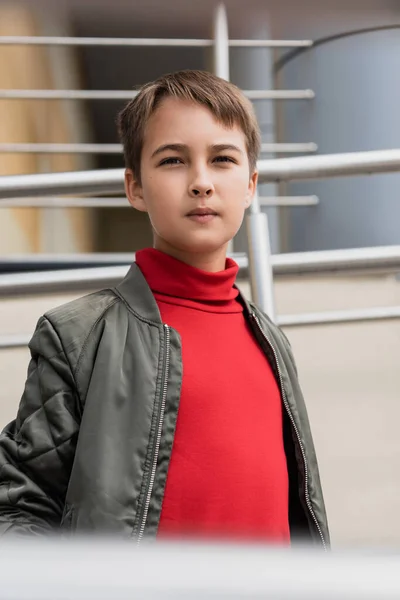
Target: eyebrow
column 174, row 147
column 184, row 148
column 223, row 147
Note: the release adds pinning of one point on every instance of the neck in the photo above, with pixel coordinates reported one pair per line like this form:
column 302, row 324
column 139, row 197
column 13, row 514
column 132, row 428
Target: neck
column 212, row 262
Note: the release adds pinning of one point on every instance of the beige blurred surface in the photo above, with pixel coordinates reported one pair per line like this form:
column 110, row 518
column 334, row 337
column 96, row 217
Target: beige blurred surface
column 39, row 121
column 351, row 380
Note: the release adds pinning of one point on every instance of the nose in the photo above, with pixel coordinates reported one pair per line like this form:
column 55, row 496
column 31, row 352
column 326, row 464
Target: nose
column 201, row 185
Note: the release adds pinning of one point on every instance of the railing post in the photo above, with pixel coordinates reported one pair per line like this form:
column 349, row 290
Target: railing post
column 221, row 53
column 260, row 265
column 221, row 42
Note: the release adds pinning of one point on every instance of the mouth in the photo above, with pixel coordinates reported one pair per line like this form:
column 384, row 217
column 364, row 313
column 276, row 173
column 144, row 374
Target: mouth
column 202, row 212
column 202, row 215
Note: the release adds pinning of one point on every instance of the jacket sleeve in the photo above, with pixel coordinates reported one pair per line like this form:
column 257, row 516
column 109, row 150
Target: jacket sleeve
column 37, row 448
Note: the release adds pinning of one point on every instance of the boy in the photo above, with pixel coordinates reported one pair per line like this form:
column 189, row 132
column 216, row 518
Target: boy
column 98, row 444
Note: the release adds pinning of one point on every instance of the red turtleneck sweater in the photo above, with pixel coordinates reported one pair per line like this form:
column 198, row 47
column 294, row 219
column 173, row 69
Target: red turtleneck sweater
column 227, row 477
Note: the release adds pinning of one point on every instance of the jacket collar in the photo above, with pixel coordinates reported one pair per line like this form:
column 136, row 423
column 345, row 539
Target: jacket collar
column 136, row 293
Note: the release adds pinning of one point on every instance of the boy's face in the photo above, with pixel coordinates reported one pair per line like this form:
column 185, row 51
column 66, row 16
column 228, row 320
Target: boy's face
column 190, row 162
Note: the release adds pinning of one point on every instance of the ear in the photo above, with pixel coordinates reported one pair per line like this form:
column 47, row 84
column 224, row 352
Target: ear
column 251, row 190
column 134, row 191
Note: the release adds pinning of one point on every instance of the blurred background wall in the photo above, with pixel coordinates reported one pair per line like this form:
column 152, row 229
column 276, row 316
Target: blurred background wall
column 22, row 121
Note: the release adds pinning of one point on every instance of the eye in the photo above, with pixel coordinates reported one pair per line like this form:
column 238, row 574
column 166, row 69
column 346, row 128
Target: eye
column 173, row 160
column 224, row 159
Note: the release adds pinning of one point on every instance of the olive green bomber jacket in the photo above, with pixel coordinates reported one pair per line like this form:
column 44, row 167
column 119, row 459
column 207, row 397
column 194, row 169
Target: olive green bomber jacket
column 89, row 449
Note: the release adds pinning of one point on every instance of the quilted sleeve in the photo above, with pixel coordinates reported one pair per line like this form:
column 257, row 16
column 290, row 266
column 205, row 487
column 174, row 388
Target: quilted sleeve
column 37, row 448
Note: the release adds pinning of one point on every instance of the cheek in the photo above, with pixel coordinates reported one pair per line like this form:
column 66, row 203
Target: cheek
column 237, row 180
column 237, row 190
column 164, row 184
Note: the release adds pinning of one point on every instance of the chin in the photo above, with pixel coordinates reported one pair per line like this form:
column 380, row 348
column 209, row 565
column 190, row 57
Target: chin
column 202, row 246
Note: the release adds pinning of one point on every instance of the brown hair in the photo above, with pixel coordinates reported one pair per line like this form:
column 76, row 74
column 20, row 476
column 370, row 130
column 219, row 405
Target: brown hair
column 225, row 100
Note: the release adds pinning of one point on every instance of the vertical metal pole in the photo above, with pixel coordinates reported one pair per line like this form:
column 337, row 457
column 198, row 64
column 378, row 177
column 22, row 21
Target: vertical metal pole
column 256, row 68
column 260, row 267
column 221, row 43
column 221, row 53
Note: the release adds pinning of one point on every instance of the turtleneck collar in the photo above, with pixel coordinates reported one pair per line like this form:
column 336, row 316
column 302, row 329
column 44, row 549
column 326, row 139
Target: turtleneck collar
column 176, row 282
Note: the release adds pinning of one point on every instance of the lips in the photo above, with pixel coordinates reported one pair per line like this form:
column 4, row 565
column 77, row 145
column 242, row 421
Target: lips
column 202, row 212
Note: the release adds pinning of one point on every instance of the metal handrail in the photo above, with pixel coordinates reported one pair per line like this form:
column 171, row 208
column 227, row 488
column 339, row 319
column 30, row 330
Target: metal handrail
column 101, row 202
column 39, row 148
column 275, row 170
column 329, row 165
column 322, row 262
column 30, row 94
column 328, row 262
column 279, row 94
column 289, row 148
column 65, row 202
column 337, row 261
column 284, row 201
column 337, row 317
column 385, row 258
column 325, row 318
column 69, row 183
column 13, row 40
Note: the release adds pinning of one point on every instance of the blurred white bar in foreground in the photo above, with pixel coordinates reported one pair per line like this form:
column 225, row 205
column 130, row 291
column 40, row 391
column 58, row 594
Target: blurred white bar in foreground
column 105, row 570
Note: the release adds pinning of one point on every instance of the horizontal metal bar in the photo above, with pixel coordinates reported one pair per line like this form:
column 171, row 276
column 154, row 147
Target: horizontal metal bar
column 328, row 262
column 39, row 262
column 11, row 40
column 280, row 169
column 329, row 165
column 271, row 43
column 340, row 316
column 279, row 94
column 61, row 148
column 382, row 258
column 386, row 258
column 78, row 258
column 60, row 202
column 67, row 94
column 61, row 280
column 65, row 183
column 72, row 279
column 293, row 264
column 13, row 263
column 7, row 342
column 103, row 41
column 289, row 148
column 337, row 317
column 285, row 201
column 18, row 94
column 23, row 263
column 117, row 148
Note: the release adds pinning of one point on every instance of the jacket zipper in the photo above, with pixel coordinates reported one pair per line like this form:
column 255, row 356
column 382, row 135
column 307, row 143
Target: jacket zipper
column 159, row 433
column 289, row 413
